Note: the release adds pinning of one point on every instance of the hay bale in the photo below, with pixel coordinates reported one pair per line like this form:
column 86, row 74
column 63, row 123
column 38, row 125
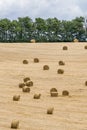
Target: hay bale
column 15, row 124
column 50, row 110
column 25, row 61
column 85, row 83
column 26, row 89
column 26, row 79
column 65, row 93
column 45, row 67
column 61, row 63
column 53, row 90
column 29, row 84
column 85, row 47
column 37, row 96
column 16, row 97
column 60, row 71
column 36, row 60
column 21, row 85
column 75, row 40
column 65, row 48
column 54, row 94
column 32, row 41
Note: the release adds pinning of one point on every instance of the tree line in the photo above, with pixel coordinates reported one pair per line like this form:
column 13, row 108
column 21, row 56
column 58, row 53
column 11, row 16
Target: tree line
column 42, row 30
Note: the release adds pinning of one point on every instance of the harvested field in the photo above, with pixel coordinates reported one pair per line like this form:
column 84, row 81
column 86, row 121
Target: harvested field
column 70, row 112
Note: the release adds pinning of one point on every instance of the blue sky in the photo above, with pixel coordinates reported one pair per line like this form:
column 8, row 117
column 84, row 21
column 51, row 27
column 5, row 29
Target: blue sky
column 62, row 9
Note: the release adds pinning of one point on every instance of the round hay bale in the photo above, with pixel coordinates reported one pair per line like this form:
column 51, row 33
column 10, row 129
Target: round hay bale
column 60, row 71
column 26, row 79
column 21, row 85
column 15, row 124
column 61, row 63
column 25, row 61
column 16, row 97
column 37, row 96
column 85, row 83
column 76, row 40
column 65, row 48
column 54, row 94
column 45, row 67
column 32, row 41
column 29, row 83
column 53, row 90
column 26, row 89
column 50, row 110
column 65, row 93
column 36, row 60
column 85, row 47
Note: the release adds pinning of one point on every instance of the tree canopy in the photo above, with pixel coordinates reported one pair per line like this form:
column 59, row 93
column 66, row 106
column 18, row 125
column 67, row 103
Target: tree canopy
column 42, row 30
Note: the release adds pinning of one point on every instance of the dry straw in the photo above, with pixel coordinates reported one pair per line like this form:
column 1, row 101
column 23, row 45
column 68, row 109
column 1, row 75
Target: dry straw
column 45, row 67
column 15, row 124
column 25, row 61
column 29, row 83
column 26, row 79
column 36, row 60
column 26, row 89
column 50, row 110
column 65, row 48
column 60, row 71
column 16, row 97
column 61, row 63
column 65, row 93
column 21, row 85
column 37, row 96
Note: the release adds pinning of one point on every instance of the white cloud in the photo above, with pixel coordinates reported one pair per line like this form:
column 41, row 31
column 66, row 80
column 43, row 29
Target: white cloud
column 62, row 9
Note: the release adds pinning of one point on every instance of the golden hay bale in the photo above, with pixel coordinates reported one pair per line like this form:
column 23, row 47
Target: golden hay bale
column 61, row 63
column 53, row 90
column 65, row 93
column 16, row 97
column 29, row 83
column 21, row 85
column 25, row 61
column 85, row 47
column 50, row 110
column 85, row 83
column 65, row 48
column 76, row 40
column 15, row 124
column 37, row 96
column 32, row 41
column 60, row 71
column 54, row 94
column 26, row 89
column 26, row 79
column 45, row 67
column 36, row 60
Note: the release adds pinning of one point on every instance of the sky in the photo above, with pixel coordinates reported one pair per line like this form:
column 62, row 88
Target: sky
column 62, row 9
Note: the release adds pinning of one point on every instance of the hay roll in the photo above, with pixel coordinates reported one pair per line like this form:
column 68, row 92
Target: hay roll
column 60, row 71
column 85, row 47
column 65, row 93
column 26, row 79
column 37, row 96
column 36, row 60
column 45, row 67
column 85, row 83
column 61, row 63
column 16, row 97
column 50, row 110
column 15, row 124
column 26, row 89
column 65, row 48
column 32, row 41
column 21, row 85
column 29, row 84
column 25, row 61
column 53, row 90
column 54, row 94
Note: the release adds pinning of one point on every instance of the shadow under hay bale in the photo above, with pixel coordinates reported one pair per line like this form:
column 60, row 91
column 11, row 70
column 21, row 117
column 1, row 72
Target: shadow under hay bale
column 61, row 63
column 21, row 85
column 37, row 96
column 85, row 83
column 85, row 47
column 45, row 67
column 16, row 97
column 65, row 48
column 36, row 60
column 15, row 124
column 29, row 84
column 25, row 61
column 54, row 94
column 26, row 89
column 53, row 90
column 50, row 110
column 60, row 71
column 26, row 79
column 65, row 93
